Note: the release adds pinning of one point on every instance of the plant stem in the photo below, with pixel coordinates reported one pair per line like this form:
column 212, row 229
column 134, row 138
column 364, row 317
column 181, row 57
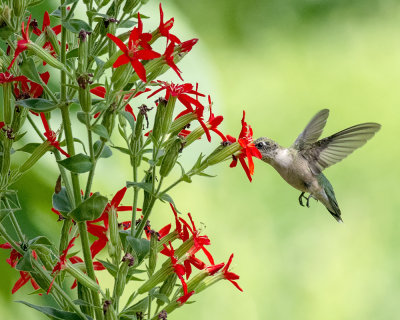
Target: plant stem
column 34, row 126
column 39, row 269
column 135, row 198
column 89, row 266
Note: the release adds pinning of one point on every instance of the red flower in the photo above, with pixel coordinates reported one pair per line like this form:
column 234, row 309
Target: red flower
column 101, row 231
column 178, row 269
column 169, row 59
column 182, row 300
column 60, row 265
column 133, row 53
column 24, row 278
column 46, row 23
column 183, row 232
column 51, row 135
column 2, row 124
column 21, row 44
column 6, row 77
column 30, row 89
column 195, row 262
column 230, row 276
column 199, row 241
column 248, row 149
column 14, row 254
column 165, row 27
column 214, row 121
column 188, row 45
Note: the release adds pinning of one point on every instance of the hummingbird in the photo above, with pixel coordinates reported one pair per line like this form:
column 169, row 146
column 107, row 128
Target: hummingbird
column 301, row 164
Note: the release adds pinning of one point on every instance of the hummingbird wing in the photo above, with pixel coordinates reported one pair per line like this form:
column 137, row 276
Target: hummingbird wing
column 328, row 151
column 313, row 131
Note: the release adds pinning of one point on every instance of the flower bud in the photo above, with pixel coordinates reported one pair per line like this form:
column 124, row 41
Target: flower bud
column 153, row 253
column 222, row 153
column 5, row 22
column 19, row 7
column 35, row 156
column 84, row 294
column 81, row 277
column 168, row 115
column 52, row 37
column 156, row 278
column 114, row 233
column 167, row 287
column 18, row 118
column 121, row 76
column 45, row 56
column 46, row 256
column 7, row 113
column 85, row 99
column 108, row 121
column 159, row 118
column 130, row 5
column 170, row 157
column 181, row 123
column 127, row 261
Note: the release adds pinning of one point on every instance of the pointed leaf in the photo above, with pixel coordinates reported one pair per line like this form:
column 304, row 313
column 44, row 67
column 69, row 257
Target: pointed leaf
column 54, row 313
column 76, row 25
column 90, row 209
column 29, row 147
column 61, row 201
column 37, row 104
column 140, row 247
column 79, row 163
column 28, row 69
column 101, row 131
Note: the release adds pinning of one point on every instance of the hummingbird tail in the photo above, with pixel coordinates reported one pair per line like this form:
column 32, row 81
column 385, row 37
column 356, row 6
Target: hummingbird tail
column 331, row 204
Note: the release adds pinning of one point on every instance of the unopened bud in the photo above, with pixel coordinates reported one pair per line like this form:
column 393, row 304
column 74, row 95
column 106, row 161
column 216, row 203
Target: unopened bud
column 19, row 7
column 159, row 118
column 222, row 153
column 127, row 261
column 35, row 156
column 82, row 278
column 52, row 37
column 108, row 121
column 121, row 76
column 171, row 156
column 153, row 253
column 45, row 56
column 84, row 294
column 114, row 233
column 167, row 287
column 163, row 315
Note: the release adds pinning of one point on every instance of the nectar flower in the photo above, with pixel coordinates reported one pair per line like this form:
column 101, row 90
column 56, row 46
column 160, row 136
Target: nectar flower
column 30, row 89
column 248, row 149
column 132, row 53
column 165, row 27
column 169, row 59
column 60, row 265
column 46, row 23
column 230, row 276
column 6, row 77
column 51, row 135
column 21, row 44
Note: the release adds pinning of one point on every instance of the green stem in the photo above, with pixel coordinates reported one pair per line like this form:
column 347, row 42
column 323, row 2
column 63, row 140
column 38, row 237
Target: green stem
column 135, row 199
column 89, row 266
column 34, row 126
column 39, row 269
column 16, row 225
column 170, row 187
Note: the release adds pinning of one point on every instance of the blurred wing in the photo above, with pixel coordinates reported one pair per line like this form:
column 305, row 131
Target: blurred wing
column 313, row 131
column 328, row 151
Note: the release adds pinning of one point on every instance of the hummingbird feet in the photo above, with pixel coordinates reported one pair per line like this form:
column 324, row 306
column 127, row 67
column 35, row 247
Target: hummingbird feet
column 301, row 199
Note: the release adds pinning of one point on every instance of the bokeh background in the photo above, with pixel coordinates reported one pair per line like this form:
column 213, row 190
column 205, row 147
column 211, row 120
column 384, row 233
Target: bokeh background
column 281, row 61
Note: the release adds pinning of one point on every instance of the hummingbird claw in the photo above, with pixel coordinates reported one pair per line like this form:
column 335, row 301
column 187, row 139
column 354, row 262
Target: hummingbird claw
column 301, row 199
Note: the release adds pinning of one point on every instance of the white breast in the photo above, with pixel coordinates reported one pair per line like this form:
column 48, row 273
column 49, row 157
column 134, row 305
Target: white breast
column 284, row 158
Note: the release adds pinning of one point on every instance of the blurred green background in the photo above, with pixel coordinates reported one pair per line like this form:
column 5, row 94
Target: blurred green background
column 281, row 61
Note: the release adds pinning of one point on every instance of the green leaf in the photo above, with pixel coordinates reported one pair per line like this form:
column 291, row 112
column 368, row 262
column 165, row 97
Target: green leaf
column 123, row 150
column 29, row 70
column 127, row 24
column 105, row 153
column 61, row 201
column 205, row 175
column 130, row 119
column 76, row 25
column 8, row 203
column 79, row 163
column 166, row 197
column 25, row 263
column 141, row 306
column 90, row 209
column 68, row 2
column 159, row 296
column 146, row 186
column 54, row 313
column 72, row 54
column 29, row 147
column 37, row 104
column 40, row 240
column 81, row 117
column 140, row 247
column 101, row 131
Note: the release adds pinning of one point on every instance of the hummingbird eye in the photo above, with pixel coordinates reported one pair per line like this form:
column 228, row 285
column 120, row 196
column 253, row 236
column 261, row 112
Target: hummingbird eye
column 259, row 145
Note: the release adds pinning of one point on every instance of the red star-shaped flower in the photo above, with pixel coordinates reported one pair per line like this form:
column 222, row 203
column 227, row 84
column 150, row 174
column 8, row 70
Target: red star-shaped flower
column 137, row 49
column 165, row 27
column 248, row 149
column 230, row 276
column 21, row 44
column 51, row 135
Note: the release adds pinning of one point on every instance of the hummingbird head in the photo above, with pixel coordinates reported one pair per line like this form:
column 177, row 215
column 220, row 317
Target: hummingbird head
column 267, row 147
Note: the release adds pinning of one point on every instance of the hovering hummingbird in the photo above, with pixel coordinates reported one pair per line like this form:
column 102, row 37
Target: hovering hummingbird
column 301, row 165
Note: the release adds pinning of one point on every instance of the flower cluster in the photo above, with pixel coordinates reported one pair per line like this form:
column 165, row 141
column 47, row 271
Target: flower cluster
column 103, row 70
